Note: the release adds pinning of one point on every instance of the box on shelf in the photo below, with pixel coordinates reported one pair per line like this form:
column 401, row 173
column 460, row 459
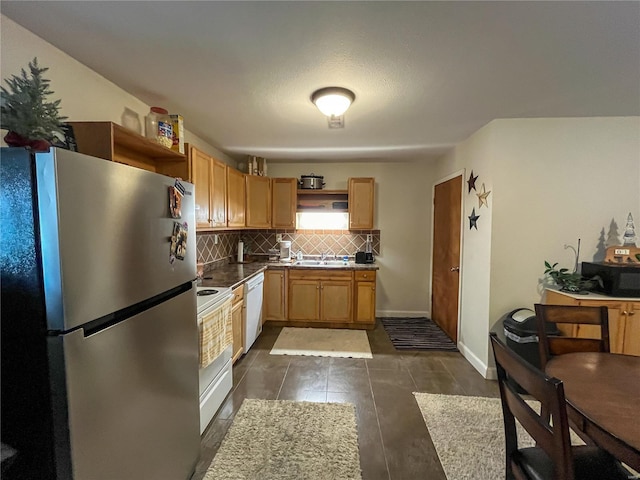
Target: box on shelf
column 178, row 133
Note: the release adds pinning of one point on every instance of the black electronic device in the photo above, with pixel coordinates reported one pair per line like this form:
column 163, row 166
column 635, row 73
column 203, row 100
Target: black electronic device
column 618, row 280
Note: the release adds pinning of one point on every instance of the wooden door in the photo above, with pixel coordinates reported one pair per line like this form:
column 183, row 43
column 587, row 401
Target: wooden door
column 616, row 316
column 284, row 194
column 219, row 194
column 361, row 203
column 201, row 165
column 258, row 201
column 632, row 329
column 446, row 255
column 335, row 300
column 365, row 302
column 235, row 198
column 274, row 295
column 304, row 300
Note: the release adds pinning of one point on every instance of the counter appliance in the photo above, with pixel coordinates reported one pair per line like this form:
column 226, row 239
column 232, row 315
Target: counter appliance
column 618, row 280
column 311, row 182
column 99, row 332
column 285, row 251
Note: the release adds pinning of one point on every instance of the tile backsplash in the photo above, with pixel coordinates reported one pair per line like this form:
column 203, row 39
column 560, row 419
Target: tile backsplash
column 311, row 242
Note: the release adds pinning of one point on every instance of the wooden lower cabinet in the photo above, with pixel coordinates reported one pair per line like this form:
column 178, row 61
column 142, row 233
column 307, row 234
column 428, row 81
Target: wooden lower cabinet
column 624, row 319
column 320, row 296
column 237, row 321
column 275, row 287
column 365, row 290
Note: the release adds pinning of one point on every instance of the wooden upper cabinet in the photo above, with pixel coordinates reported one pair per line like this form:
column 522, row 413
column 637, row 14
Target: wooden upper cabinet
column 361, row 203
column 210, row 179
column 235, row 198
column 218, row 194
column 284, row 199
column 258, row 201
column 201, row 177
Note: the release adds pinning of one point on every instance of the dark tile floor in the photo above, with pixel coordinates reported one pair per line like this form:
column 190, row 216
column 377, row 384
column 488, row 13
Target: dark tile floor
column 394, row 441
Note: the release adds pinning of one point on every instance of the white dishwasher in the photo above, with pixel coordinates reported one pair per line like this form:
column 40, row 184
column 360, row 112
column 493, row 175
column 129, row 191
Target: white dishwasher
column 253, row 303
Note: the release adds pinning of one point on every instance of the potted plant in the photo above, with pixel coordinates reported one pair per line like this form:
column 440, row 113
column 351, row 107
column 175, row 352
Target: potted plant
column 571, row 282
column 31, row 120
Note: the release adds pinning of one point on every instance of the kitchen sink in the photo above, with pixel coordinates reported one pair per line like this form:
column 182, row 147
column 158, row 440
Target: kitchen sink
column 320, row 263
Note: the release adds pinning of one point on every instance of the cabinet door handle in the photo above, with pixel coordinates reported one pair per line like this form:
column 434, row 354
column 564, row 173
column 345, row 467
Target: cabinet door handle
column 455, row 269
column 624, row 312
column 631, row 313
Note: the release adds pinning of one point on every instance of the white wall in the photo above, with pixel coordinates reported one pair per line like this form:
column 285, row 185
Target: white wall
column 552, row 181
column 560, row 180
column 85, row 95
column 474, row 155
column 403, row 216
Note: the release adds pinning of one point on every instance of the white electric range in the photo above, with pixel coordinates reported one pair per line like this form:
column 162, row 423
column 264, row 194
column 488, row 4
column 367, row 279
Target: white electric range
column 216, row 379
column 210, row 297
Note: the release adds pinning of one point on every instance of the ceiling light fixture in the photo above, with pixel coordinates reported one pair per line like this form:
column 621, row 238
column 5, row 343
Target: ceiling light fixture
column 333, row 101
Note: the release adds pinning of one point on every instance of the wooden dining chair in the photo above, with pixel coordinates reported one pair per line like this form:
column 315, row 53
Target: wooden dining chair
column 551, row 345
column 553, row 457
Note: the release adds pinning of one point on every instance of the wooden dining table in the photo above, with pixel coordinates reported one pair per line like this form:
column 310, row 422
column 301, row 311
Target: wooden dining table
column 603, row 399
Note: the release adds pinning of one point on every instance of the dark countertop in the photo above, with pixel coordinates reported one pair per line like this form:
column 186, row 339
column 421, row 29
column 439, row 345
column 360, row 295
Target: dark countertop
column 234, row 274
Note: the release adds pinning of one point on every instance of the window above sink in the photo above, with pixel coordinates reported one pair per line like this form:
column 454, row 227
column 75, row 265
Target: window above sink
column 322, row 220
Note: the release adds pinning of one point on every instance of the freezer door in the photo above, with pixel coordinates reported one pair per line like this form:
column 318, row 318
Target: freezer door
column 106, row 233
column 132, row 396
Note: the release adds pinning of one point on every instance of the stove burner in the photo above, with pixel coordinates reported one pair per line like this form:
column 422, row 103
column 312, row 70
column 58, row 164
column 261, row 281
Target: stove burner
column 207, row 292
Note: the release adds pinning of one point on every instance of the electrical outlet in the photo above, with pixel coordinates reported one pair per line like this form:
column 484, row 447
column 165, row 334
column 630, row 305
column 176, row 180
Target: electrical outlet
column 369, row 237
column 215, row 239
column 278, row 237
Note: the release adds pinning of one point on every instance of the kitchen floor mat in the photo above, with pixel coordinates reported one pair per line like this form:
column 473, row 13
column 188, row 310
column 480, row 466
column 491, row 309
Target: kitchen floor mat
column 416, row 334
column 322, row 342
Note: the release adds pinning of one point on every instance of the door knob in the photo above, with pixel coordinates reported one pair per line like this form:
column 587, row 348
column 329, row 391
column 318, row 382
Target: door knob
column 455, row 269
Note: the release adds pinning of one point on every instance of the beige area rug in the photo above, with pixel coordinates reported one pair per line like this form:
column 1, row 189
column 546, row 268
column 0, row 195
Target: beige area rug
column 322, row 342
column 287, row 440
column 468, row 434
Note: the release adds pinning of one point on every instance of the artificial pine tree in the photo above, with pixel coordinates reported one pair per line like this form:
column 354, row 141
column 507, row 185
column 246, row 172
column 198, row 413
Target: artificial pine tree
column 30, row 119
column 629, row 237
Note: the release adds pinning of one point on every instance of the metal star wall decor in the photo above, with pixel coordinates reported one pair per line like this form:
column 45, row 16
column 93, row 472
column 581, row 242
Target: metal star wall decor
column 482, row 197
column 472, row 182
column 473, row 219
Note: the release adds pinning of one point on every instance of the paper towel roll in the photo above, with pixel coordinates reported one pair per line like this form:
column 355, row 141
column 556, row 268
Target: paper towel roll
column 240, row 251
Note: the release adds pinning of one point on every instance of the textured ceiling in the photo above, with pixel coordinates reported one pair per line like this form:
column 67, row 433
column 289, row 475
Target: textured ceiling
column 426, row 74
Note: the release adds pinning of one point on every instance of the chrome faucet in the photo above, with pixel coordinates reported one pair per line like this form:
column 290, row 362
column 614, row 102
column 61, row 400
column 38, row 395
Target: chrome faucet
column 323, row 257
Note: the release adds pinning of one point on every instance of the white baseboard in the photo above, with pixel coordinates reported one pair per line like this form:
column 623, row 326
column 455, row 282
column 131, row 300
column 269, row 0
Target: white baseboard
column 402, row 313
column 479, row 365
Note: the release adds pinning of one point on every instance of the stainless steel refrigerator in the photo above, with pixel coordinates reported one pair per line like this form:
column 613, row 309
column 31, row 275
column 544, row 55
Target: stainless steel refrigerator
column 99, row 330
